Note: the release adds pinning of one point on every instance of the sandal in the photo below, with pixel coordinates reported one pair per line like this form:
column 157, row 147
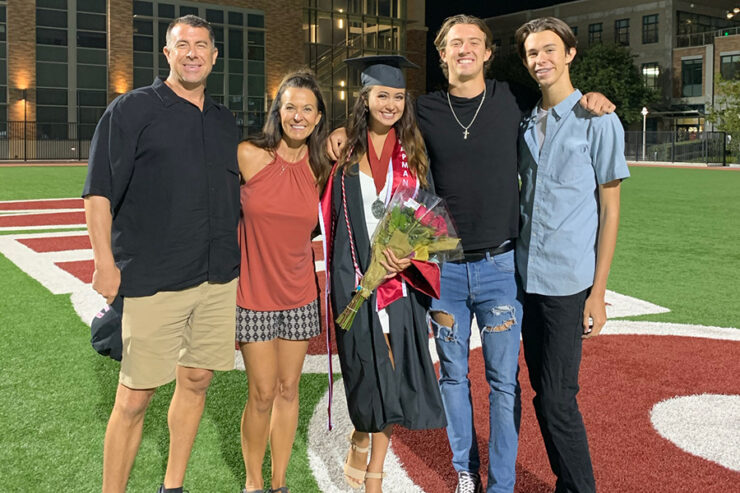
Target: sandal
column 374, row 475
column 353, row 476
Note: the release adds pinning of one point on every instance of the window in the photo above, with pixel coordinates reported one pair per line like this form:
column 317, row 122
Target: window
column 691, row 75
column 622, row 32
column 650, row 29
column 240, row 67
column 594, row 33
column 575, row 30
column 729, row 66
column 650, row 74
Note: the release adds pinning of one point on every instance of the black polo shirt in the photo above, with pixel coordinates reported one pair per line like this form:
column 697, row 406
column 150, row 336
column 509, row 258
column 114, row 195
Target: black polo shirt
column 172, row 178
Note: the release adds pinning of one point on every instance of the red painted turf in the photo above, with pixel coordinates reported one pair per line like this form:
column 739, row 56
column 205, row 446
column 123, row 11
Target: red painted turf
column 58, row 243
column 42, row 204
column 81, row 269
column 55, row 219
column 622, row 378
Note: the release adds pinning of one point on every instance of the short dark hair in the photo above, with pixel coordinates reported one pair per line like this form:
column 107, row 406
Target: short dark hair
column 440, row 41
column 553, row 24
column 192, row 21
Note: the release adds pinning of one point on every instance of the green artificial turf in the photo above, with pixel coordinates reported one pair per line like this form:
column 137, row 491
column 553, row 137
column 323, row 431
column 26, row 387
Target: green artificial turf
column 19, row 183
column 679, row 244
column 57, row 394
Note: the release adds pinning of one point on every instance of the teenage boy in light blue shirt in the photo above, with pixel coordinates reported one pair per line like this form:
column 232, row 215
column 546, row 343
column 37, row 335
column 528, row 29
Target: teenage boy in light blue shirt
column 571, row 165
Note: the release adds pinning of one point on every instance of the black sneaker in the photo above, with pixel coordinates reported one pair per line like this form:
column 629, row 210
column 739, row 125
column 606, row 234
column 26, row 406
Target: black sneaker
column 468, row 482
column 162, row 489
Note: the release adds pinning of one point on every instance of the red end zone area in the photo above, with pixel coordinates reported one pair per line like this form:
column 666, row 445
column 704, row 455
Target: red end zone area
column 622, row 378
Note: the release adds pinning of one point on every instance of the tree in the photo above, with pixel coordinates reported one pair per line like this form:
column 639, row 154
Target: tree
column 726, row 111
column 610, row 70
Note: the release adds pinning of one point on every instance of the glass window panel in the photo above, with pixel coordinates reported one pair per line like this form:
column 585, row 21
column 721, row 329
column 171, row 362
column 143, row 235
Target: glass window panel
column 236, row 66
column 51, row 53
column 143, row 8
column 3, row 53
column 256, row 53
column 51, row 18
column 164, row 71
column 215, row 84
column 691, row 75
column 254, row 67
column 143, row 27
column 219, row 65
column 51, row 97
column 216, row 16
column 730, row 66
column 188, row 10
column 92, row 98
column 384, row 8
column 87, row 55
column 89, row 39
column 53, row 4
column 372, row 7
column 236, row 19
column 236, row 84
column 256, row 38
column 51, row 114
column 236, row 44
column 650, row 28
column 3, row 97
column 2, row 13
column 143, row 60
column 254, row 20
column 220, row 48
column 166, row 10
column 255, row 104
column 51, row 74
column 91, row 6
column 143, row 43
column 163, row 61
column 57, row 37
column 236, row 102
column 143, row 77
column 91, row 77
column 650, row 74
column 218, row 33
column 256, row 85
column 162, row 35
column 90, row 115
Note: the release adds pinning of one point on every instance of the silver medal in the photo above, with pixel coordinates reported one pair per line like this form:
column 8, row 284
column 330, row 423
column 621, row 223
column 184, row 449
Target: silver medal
column 377, row 208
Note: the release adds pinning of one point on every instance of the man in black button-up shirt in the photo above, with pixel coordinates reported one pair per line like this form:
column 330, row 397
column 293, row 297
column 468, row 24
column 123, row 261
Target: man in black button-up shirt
column 162, row 207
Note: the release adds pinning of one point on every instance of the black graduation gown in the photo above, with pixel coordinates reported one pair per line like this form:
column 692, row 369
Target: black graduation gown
column 377, row 394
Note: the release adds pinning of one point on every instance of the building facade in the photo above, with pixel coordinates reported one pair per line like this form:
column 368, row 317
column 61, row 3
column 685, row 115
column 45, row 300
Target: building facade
column 673, row 42
column 64, row 61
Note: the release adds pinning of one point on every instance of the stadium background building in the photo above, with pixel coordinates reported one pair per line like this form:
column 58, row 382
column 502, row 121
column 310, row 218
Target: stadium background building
column 680, row 46
column 63, row 61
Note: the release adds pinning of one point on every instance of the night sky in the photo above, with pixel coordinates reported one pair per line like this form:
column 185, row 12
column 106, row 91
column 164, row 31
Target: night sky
column 437, row 11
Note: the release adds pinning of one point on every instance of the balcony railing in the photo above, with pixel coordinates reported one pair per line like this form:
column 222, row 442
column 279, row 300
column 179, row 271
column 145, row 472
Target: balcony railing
column 705, row 38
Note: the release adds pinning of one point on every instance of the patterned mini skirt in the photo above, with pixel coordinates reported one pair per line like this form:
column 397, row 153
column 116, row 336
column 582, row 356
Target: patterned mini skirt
column 295, row 324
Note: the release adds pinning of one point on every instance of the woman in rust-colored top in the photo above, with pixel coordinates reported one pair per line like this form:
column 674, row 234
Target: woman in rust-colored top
column 283, row 170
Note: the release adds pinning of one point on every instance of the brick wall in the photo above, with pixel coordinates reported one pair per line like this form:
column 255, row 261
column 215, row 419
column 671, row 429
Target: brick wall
column 416, row 52
column 21, row 42
column 120, row 47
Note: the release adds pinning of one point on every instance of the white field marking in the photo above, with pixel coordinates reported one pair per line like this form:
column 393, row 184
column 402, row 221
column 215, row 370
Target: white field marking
column 705, row 425
column 30, row 229
column 25, row 212
column 68, row 255
column 37, row 200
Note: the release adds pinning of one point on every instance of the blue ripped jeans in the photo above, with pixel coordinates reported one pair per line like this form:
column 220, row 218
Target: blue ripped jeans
column 488, row 290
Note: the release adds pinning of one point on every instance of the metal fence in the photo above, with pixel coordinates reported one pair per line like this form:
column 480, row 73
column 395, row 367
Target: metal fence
column 682, row 147
column 31, row 141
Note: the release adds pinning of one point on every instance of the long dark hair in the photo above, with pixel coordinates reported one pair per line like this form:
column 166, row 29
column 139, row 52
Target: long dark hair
column 406, row 130
column 272, row 131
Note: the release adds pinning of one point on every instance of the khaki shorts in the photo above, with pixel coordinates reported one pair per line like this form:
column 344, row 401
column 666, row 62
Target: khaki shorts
column 193, row 328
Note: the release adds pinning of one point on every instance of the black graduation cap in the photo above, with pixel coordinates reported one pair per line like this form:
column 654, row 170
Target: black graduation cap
column 105, row 330
column 381, row 70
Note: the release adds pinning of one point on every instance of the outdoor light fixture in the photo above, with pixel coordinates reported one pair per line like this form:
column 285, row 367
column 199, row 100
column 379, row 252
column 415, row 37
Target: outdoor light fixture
column 644, row 119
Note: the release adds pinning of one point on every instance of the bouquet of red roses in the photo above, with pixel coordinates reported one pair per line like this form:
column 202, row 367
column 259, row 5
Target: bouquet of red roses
column 415, row 221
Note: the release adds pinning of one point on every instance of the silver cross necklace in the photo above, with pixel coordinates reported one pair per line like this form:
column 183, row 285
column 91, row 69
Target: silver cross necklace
column 465, row 129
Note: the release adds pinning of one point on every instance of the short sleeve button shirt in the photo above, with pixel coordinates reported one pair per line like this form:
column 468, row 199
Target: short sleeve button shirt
column 170, row 172
column 559, row 212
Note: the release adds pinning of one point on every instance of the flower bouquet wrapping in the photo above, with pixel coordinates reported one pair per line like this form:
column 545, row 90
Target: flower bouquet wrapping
column 415, row 221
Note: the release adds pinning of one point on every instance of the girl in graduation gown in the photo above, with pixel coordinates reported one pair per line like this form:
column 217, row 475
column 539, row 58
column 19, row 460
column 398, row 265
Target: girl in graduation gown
column 387, row 371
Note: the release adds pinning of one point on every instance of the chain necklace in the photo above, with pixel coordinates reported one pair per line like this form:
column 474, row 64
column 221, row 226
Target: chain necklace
column 465, row 129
